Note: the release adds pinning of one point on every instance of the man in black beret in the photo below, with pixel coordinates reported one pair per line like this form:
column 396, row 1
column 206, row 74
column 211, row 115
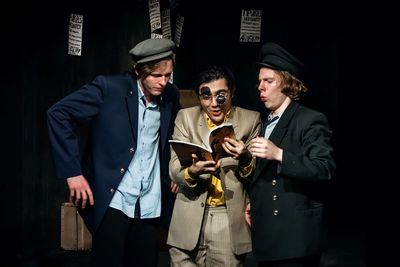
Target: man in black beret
column 118, row 184
column 276, row 57
column 294, row 155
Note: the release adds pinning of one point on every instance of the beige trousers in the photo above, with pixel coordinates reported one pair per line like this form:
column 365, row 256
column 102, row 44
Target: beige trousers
column 214, row 247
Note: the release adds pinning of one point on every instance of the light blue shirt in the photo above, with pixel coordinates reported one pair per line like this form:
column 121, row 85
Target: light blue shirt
column 270, row 127
column 143, row 177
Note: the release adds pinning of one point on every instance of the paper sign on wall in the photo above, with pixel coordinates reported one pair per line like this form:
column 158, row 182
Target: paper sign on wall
column 154, row 13
column 166, row 23
column 250, row 27
column 178, row 31
column 75, row 35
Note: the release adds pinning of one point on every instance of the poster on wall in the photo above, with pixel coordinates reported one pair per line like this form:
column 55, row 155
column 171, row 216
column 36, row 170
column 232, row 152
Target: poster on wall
column 75, row 35
column 154, row 14
column 250, row 26
column 178, row 30
column 156, row 36
column 166, row 23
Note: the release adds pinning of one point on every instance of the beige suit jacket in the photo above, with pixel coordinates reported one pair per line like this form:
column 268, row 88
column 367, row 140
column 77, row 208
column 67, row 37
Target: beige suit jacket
column 187, row 217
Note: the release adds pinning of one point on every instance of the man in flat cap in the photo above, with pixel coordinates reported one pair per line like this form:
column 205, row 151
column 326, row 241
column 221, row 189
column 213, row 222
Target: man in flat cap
column 294, row 156
column 118, row 184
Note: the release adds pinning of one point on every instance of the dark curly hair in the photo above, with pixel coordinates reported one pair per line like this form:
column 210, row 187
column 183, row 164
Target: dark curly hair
column 214, row 73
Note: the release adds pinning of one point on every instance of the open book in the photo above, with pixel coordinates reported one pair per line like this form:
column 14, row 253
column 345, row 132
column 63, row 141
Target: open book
column 214, row 151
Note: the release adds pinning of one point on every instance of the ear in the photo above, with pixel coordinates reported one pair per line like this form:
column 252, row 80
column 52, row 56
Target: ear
column 134, row 69
column 232, row 93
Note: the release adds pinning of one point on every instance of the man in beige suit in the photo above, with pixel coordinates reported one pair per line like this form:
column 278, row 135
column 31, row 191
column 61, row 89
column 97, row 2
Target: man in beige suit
column 208, row 226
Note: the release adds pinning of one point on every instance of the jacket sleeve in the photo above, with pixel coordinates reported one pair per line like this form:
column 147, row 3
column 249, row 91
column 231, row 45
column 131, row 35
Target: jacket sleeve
column 315, row 159
column 63, row 118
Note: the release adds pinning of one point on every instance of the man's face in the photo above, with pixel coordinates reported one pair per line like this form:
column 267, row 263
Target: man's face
column 270, row 88
column 209, row 93
column 154, row 84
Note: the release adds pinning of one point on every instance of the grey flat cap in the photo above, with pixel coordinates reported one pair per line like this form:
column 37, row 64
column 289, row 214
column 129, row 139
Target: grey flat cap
column 152, row 49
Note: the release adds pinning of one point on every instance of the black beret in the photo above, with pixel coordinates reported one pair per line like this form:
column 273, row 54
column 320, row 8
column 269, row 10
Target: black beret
column 276, row 57
column 152, row 49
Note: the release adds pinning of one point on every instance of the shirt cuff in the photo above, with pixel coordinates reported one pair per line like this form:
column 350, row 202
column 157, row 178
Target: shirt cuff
column 245, row 171
column 187, row 177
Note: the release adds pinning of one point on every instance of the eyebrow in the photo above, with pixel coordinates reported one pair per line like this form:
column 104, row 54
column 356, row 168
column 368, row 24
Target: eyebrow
column 207, row 90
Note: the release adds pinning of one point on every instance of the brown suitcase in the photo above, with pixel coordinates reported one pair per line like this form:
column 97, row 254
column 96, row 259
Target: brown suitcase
column 74, row 233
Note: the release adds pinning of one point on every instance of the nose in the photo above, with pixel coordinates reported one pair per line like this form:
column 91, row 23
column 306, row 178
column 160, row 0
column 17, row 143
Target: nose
column 214, row 101
column 260, row 86
column 164, row 80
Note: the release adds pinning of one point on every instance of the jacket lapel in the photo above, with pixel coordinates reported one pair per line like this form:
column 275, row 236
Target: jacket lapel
column 276, row 136
column 165, row 112
column 203, row 128
column 132, row 104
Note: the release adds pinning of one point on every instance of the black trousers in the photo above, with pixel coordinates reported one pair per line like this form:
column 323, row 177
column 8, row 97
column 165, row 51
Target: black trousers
column 121, row 241
column 312, row 261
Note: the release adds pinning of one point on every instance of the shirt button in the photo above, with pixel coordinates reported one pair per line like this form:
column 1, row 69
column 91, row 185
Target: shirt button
column 122, row 170
column 274, row 197
column 111, row 190
column 131, row 150
column 202, row 204
column 274, row 182
column 276, row 212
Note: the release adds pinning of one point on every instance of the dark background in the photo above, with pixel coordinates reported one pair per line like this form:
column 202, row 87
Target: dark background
column 350, row 73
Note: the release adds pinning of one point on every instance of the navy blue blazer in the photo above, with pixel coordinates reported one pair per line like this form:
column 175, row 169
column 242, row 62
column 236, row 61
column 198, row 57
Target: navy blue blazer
column 109, row 105
column 286, row 204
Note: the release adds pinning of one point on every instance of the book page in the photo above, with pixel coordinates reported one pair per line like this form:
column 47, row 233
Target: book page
column 216, row 138
column 184, row 151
